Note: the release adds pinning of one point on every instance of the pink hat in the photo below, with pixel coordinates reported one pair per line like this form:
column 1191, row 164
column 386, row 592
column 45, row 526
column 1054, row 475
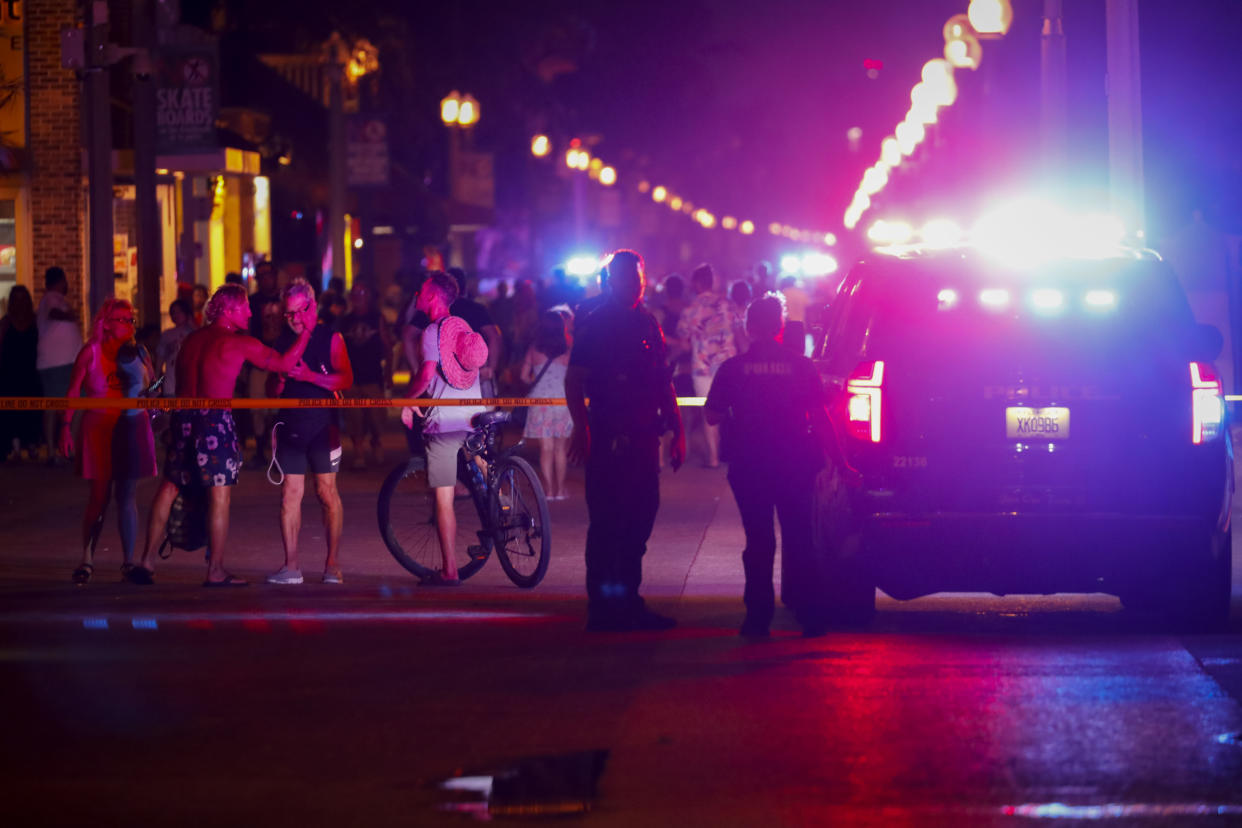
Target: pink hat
column 462, row 352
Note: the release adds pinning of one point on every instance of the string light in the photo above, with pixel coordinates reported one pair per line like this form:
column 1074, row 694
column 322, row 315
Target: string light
column 935, row 90
column 579, row 158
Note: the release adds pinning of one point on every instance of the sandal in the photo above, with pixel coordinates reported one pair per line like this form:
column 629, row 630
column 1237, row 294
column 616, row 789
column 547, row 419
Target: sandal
column 83, row 573
column 228, row 580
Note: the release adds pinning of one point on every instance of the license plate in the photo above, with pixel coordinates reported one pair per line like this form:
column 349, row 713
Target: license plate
column 1025, row 423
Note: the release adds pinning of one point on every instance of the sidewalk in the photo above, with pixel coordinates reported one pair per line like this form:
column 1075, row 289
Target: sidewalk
column 695, row 549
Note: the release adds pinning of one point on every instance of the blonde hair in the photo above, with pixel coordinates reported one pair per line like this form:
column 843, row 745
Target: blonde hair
column 101, row 316
column 226, row 297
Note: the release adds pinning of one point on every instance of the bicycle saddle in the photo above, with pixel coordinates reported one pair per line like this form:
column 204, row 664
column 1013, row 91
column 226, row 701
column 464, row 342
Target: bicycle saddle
column 491, row 418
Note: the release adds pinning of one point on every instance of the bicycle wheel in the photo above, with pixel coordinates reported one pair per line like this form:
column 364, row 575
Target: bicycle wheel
column 523, row 530
column 407, row 522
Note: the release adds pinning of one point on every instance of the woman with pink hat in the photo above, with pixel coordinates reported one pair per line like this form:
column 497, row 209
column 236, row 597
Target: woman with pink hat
column 452, row 355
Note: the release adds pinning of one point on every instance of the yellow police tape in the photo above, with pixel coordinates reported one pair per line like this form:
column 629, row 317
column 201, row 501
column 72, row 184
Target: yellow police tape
column 198, row 403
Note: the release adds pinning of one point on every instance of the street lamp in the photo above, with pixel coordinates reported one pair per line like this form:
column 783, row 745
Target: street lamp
column 459, row 113
column 468, row 114
column 460, row 110
column 540, row 146
column 450, row 107
column 990, row 18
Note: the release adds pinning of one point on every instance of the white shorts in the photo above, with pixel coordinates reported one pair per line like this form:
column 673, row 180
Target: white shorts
column 442, row 457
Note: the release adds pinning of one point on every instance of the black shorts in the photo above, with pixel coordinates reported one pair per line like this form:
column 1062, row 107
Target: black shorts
column 319, row 451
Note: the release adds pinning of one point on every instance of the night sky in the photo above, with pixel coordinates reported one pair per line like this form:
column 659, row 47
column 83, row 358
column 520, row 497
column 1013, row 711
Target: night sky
column 744, row 107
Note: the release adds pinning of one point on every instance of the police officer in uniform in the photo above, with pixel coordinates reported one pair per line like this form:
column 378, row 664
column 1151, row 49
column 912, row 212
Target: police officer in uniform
column 309, row 439
column 770, row 404
column 618, row 362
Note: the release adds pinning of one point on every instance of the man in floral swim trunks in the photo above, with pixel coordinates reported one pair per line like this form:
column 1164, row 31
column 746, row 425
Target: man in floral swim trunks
column 204, row 448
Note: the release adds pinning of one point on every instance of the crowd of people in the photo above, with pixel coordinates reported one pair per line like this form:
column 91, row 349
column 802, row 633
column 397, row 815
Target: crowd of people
column 627, row 349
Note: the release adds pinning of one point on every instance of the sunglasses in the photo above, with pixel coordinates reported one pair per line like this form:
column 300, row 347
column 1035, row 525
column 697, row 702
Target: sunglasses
column 290, row 314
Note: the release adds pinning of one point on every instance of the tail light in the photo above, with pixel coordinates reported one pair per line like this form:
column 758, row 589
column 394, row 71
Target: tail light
column 1207, row 403
column 864, row 395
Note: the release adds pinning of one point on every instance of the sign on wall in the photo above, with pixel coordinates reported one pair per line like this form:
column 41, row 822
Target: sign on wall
column 366, row 151
column 12, row 84
column 186, row 99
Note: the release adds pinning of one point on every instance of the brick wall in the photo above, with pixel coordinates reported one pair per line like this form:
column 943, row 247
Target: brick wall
column 57, row 186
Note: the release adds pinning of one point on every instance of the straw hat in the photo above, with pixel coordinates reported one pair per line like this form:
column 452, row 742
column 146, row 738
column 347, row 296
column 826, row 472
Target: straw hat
column 462, row 352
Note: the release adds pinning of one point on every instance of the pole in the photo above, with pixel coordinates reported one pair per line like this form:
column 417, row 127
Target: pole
column 188, row 260
column 99, row 156
column 150, row 257
column 1052, row 102
column 579, row 180
column 1125, row 114
column 336, row 139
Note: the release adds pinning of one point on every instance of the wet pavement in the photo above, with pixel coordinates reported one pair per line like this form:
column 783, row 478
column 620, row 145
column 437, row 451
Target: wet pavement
column 378, row 703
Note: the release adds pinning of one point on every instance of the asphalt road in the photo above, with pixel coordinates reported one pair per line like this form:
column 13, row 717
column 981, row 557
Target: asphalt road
column 315, row 705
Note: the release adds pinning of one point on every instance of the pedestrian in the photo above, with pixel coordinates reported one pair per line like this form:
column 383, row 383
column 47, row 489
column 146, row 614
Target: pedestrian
column 267, row 290
column 203, row 447
column 271, row 313
column 452, row 356
column 502, row 313
column 198, row 302
column 481, row 322
column 181, row 315
column 710, row 325
column 668, row 311
column 60, row 339
column 332, row 300
column 796, row 302
column 115, row 448
column 770, row 403
column 369, row 343
column 20, row 431
column 619, row 363
column 740, row 296
column 550, row 426
column 309, row 438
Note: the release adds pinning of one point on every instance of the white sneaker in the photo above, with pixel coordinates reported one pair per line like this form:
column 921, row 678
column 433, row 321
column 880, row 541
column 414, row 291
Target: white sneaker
column 284, row 575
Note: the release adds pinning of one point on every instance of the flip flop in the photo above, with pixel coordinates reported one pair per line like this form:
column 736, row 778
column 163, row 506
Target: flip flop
column 83, row 573
column 229, row 581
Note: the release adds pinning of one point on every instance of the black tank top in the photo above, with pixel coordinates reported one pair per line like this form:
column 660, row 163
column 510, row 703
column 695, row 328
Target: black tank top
column 318, row 358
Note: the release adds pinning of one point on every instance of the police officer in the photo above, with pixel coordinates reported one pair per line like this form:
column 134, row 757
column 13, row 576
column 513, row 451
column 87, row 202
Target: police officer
column 618, row 361
column 770, row 404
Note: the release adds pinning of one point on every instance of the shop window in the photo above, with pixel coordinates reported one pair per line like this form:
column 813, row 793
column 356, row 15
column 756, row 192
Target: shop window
column 8, row 250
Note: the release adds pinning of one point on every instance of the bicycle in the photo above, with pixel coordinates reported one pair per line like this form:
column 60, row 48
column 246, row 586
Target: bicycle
column 506, row 511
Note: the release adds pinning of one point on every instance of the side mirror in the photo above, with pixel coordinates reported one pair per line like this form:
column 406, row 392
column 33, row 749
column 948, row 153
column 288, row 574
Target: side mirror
column 1208, row 342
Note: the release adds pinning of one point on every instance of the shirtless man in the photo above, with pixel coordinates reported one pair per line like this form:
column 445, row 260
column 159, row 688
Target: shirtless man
column 204, row 449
